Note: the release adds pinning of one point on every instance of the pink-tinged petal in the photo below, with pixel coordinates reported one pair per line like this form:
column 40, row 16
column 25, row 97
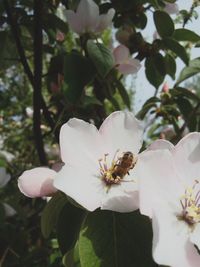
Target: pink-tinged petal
column 105, row 20
column 161, row 144
column 122, row 198
column 121, row 131
column 74, row 22
column 130, row 67
column 157, row 180
column 165, row 88
column 81, row 185
column 171, row 246
column 88, row 14
column 80, row 144
column 37, row 182
column 4, row 177
column 135, row 62
column 171, row 8
column 195, row 235
column 187, row 158
column 121, row 54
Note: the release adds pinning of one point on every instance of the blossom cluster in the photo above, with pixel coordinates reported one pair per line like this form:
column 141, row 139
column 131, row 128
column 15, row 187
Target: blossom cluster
column 89, row 22
column 106, row 170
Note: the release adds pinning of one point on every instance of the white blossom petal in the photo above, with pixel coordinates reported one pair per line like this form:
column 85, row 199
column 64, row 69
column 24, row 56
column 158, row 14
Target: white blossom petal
column 4, row 177
column 121, row 130
column 157, row 180
column 37, row 182
column 105, row 20
column 121, row 54
column 85, row 187
column 187, row 158
column 195, row 235
column 88, row 13
column 74, row 22
column 171, row 8
column 80, row 144
column 171, row 246
column 122, row 198
column 161, row 144
column 130, row 67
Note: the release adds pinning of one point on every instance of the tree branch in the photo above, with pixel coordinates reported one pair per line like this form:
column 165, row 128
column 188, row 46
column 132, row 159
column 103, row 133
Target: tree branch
column 16, row 33
column 37, row 81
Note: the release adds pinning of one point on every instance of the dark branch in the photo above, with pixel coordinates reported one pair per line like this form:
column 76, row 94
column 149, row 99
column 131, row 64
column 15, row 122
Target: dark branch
column 37, row 82
column 16, row 33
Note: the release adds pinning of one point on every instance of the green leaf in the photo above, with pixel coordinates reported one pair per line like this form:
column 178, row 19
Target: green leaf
column 154, row 3
column 2, row 160
column 68, row 226
column 180, row 91
column 186, row 73
column 170, row 65
column 189, row 71
column 123, row 93
column 164, row 24
column 186, row 108
column 152, row 73
column 195, row 63
column 101, row 56
column 78, row 72
column 141, row 114
column 178, row 49
column 71, row 258
column 110, row 239
column 185, row 35
column 8, row 51
column 90, row 100
column 159, row 63
column 170, row 1
column 150, row 103
column 51, row 212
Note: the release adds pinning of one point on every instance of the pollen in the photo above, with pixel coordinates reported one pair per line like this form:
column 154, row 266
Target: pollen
column 190, row 203
column 107, row 172
column 114, row 172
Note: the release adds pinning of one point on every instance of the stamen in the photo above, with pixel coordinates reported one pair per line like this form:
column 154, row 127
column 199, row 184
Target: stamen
column 118, row 169
column 191, row 205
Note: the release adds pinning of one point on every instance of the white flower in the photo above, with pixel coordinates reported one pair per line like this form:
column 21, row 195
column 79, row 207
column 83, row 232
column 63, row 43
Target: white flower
column 93, row 174
column 170, row 194
column 124, row 63
column 29, row 112
column 171, row 8
column 87, row 18
column 37, row 182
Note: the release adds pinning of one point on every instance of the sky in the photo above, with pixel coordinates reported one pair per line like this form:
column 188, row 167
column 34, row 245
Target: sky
column 144, row 89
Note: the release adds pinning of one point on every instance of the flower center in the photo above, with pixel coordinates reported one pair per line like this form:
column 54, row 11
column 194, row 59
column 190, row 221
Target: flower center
column 190, row 203
column 118, row 169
